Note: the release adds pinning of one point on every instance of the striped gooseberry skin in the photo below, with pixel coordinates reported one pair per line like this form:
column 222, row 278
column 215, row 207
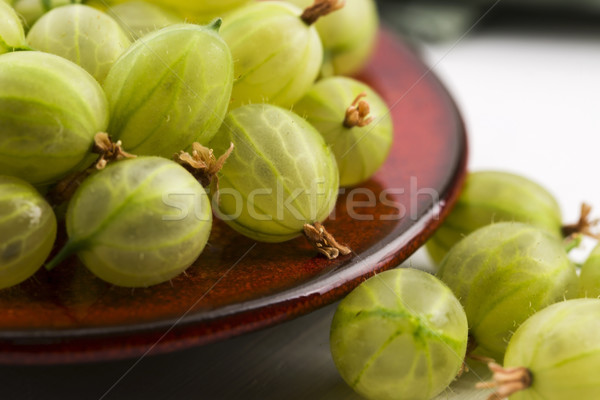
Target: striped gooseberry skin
column 52, row 108
column 502, row 274
column 280, row 176
column 170, row 89
column 139, row 222
column 589, row 279
column 359, row 151
column 27, row 230
column 138, row 18
column 81, row 34
column 401, row 334
column 495, row 196
column 559, row 345
column 12, row 35
column 348, row 36
column 276, row 55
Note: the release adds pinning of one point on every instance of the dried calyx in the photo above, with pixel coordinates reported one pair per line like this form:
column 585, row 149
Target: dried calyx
column 321, row 8
column 584, row 225
column 506, row 381
column 203, row 164
column 358, row 113
column 107, row 151
column 324, row 242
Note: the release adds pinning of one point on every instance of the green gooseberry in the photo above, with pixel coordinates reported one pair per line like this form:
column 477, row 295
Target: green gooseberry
column 277, row 55
column 589, row 279
column 400, row 335
column 51, row 110
column 12, row 35
column 27, row 230
column 138, row 222
column 280, row 176
column 495, row 196
column 554, row 355
column 502, row 274
column 32, row 10
column 169, row 90
column 348, row 36
column 82, row 34
column 359, row 131
column 138, row 18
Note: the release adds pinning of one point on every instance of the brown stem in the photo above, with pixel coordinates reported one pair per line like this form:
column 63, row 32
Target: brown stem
column 358, row 113
column 506, row 381
column 584, row 225
column 319, row 9
column 324, row 242
column 107, row 150
column 203, row 164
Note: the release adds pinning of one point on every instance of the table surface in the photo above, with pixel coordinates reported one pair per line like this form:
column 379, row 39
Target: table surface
column 530, row 102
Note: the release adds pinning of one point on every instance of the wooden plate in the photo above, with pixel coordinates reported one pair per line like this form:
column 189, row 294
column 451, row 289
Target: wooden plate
column 238, row 285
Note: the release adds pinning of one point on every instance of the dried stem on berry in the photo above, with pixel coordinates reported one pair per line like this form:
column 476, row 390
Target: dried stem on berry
column 203, row 164
column 358, row 113
column 471, row 347
column 584, row 225
column 320, row 8
column 107, row 150
column 507, row 381
column 324, row 242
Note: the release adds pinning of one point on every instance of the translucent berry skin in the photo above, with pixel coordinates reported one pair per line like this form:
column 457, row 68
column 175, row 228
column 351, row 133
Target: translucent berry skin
column 348, row 36
column 32, row 10
column 27, row 231
column 560, row 347
column 12, row 35
column 169, row 90
column 138, row 18
column 494, row 196
column 52, row 108
column 359, row 151
column 400, row 335
column 278, row 156
column 589, row 279
column 139, row 222
column 277, row 56
column 82, row 34
column 503, row 273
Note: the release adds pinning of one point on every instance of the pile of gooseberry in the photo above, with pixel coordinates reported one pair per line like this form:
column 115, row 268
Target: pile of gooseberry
column 129, row 124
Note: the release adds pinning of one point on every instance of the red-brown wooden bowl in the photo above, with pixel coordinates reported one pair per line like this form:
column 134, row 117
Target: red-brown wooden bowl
column 238, row 285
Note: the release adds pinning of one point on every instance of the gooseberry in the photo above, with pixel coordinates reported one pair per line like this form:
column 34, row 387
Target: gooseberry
column 280, row 176
column 82, row 34
column 27, row 230
column 554, row 355
column 170, row 89
column 400, row 335
column 138, row 18
column 12, row 35
column 494, row 196
column 138, row 222
column 32, row 10
column 502, row 274
column 354, row 121
column 51, row 110
column 590, row 275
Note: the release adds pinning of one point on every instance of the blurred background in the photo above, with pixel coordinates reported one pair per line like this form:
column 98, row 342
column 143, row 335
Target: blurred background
column 525, row 75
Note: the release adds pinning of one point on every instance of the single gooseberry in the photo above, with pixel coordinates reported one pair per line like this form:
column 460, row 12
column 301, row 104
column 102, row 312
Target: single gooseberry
column 348, row 36
column 554, row 355
column 12, row 35
column 400, row 335
column 589, row 279
column 276, row 50
column 52, row 108
column 280, row 177
column 354, row 121
column 82, row 34
column 502, row 274
column 170, row 89
column 138, row 222
column 494, row 196
column 27, row 230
